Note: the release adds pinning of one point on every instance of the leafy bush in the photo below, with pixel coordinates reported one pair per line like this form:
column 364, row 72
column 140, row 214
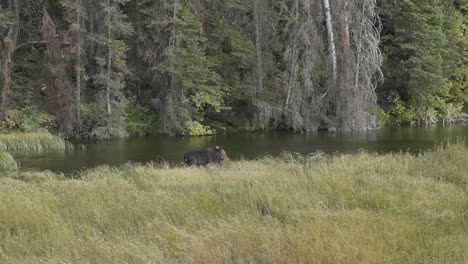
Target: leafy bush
column 453, row 112
column 407, row 113
column 398, row 111
column 194, row 128
column 95, row 124
column 141, row 121
column 27, row 119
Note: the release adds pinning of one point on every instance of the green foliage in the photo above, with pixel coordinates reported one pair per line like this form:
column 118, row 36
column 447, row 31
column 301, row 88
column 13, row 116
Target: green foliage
column 398, row 112
column 7, row 163
column 7, row 18
column 27, row 119
column 424, row 48
column 422, row 61
column 401, row 113
column 455, row 67
column 187, row 63
column 383, row 118
column 194, row 128
column 198, row 59
column 234, row 57
column 97, row 124
column 91, row 117
column 140, row 120
column 453, row 112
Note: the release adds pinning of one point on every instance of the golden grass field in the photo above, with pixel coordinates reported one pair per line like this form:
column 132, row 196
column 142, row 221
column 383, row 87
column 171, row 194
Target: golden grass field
column 361, row 208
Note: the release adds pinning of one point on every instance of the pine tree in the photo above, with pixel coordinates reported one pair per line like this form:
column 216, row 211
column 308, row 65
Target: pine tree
column 77, row 17
column 455, row 65
column 419, row 41
column 192, row 87
column 112, row 66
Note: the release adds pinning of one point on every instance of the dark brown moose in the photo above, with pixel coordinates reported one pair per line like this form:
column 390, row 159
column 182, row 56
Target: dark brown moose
column 205, row 156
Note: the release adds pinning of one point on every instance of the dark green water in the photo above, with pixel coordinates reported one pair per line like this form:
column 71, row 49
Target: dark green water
column 250, row 145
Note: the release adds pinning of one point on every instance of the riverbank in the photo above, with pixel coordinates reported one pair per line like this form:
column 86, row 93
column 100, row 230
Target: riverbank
column 342, row 209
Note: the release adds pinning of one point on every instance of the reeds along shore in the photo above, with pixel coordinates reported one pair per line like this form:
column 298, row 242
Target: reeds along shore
column 363, row 208
column 41, row 141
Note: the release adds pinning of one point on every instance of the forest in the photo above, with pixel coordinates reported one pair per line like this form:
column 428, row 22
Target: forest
column 113, row 68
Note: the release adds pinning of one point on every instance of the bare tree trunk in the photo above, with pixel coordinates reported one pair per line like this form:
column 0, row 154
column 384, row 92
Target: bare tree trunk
column 10, row 43
column 331, row 40
column 358, row 53
column 346, row 39
column 109, row 60
column 58, row 77
column 78, row 85
column 17, row 22
column 258, row 44
column 139, row 30
column 291, row 76
column 6, row 68
column 78, row 68
column 293, row 61
column 174, row 42
column 198, row 8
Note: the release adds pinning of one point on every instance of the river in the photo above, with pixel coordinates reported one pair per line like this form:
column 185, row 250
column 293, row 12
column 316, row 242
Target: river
column 247, row 145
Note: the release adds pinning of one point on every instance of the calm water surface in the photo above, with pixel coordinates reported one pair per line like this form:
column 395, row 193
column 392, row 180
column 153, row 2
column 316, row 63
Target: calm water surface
column 249, row 145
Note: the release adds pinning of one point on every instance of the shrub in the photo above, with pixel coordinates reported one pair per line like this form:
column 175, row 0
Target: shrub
column 194, row 128
column 27, row 119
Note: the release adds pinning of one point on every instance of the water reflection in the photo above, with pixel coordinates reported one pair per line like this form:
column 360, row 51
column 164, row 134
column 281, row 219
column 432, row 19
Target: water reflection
column 248, row 145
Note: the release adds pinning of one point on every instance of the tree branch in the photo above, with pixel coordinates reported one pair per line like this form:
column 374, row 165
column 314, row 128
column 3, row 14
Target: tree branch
column 30, row 43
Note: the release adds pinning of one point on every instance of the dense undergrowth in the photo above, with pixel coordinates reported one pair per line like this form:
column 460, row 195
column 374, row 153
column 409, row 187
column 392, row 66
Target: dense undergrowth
column 363, row 208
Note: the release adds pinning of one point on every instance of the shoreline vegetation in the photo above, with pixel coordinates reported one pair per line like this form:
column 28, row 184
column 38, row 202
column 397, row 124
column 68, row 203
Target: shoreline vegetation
column 364, row 208
column 37, row 141
column 105, row 69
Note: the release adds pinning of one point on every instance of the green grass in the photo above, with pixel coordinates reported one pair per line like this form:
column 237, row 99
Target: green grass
column 363, row 208
column 40, row 141
column 7, row 163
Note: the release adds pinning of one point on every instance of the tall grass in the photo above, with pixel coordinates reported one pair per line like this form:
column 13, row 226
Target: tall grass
column 7, row 163
column 39, row 141
column 364, row 208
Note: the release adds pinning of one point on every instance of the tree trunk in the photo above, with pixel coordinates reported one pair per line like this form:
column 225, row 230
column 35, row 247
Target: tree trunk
column 293, row 61
column 58, row 77
column 17, row 23
column 174, row 42
column 78, row 85
column 78, row 68
column 291, row 76
column 346, row 39
column 331, row 41
column 6, row 67
column 358, row 53
column 198, row 6
column 109, row 60
column 258, row 44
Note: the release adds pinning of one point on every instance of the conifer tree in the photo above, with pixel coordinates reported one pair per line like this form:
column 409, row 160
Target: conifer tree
column 419, row 41
column 75, row 14
column 192, row 87
column 112, row 65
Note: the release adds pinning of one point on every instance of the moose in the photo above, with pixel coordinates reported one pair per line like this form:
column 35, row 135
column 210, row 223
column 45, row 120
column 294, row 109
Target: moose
column 205, row 156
